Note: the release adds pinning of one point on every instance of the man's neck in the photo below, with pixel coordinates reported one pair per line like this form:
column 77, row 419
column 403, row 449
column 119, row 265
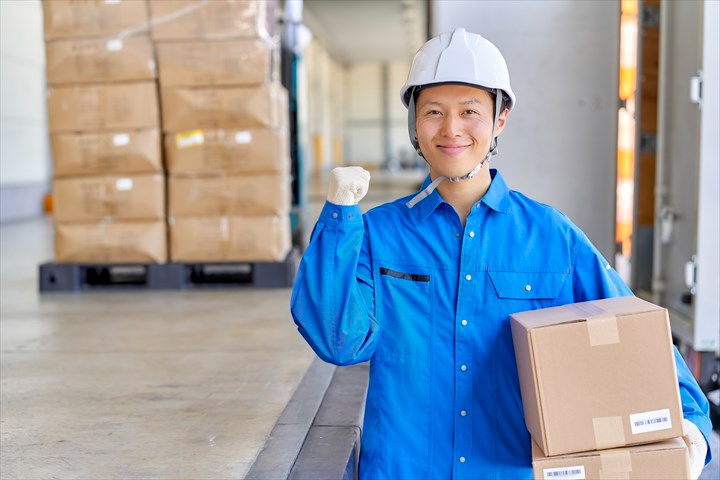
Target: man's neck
column 464, row 194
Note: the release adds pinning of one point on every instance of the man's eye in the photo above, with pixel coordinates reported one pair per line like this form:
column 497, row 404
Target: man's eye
column 471, row 112
column 433, row 112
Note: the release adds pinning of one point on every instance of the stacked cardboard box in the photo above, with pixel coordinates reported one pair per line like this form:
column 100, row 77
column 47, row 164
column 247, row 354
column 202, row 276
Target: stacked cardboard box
column 225, row 131
column 103, row 117
column 600, row 390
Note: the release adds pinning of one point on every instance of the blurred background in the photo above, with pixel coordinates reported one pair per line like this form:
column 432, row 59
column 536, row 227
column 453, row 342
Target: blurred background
column 162, row 164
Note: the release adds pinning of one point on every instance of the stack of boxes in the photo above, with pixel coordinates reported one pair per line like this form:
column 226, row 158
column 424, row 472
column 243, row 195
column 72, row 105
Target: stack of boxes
column 225, row 131
column 600, row 391
column 103, row 116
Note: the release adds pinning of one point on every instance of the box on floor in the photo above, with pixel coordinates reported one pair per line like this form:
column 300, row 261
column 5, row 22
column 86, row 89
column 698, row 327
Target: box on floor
column 72, row 18
column 230, row 239
column 99, row 107
column 256, row 150
column 97, row 153
column 118, row 197
column 111, row 242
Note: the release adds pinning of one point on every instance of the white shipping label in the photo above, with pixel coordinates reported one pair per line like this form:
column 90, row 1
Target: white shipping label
column 243, row 137
column 124, row 184
column 565, row 473
column 121, row 139
column 114, row 45
column 650, row 421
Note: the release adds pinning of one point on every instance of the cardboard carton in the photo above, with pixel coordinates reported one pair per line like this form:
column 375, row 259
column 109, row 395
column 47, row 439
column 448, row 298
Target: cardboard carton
column 230, row 239
column 211, row 20
column 186, row 108
column 103, row 107
column 228, row 151
column 89, row 18
column 95, row 60
column 119, row 197
column 131, row 151
column 229, row 195
column 238, row 62
column 665, row 460
column 597, row 375
column 111, row 242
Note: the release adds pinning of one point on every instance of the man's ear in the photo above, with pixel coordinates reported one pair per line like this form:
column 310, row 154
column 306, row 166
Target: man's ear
column 502, row 120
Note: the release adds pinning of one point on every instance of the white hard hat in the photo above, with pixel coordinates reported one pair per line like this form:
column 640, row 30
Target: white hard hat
column 459, row 57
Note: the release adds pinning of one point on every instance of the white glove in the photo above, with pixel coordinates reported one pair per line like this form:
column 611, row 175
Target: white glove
column 348, row 185
column 697, row 448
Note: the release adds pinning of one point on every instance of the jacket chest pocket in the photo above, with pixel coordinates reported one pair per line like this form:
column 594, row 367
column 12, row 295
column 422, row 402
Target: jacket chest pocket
column 519, row 291
column 406, row 306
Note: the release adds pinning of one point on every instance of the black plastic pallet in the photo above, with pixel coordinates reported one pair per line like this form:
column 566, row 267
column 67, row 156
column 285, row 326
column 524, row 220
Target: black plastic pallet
column 64, row 277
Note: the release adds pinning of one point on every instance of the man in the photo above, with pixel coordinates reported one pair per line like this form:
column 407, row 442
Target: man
column 423, row 286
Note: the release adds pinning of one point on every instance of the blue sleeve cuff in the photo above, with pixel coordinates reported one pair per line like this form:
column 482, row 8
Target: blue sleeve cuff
column 336, row 215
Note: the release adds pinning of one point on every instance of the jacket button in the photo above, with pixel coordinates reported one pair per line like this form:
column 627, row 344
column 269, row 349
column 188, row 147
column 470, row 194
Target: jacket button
column 528, row 287
column 462, row 459
column 468, row 277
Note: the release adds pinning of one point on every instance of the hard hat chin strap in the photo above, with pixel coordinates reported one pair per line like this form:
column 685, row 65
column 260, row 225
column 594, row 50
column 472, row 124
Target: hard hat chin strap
column 434, row 184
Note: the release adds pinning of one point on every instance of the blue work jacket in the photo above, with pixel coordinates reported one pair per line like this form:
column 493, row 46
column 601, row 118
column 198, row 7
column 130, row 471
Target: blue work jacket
column 427, row 302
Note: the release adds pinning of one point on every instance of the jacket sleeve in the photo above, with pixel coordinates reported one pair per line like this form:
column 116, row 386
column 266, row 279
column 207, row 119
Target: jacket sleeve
column 332, row 301
column 594, row 278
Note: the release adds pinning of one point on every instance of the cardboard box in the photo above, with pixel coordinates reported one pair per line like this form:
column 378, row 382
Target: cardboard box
column 119, row 197
column 95, row 60
column 89, row 18
column 597, row 375
column 230, row 239
column 229, row 195
column 662, row 460
column 239, row 62
column 187, row 108
column 211, row 20
column 111, row 242
column 131, row 151
column 103, row 107
column 228, row 151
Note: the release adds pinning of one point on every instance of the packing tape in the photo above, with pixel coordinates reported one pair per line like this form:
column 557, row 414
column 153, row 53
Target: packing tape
column 615, row 462
column 608, row 432
column 602, row 330
column 603, row 475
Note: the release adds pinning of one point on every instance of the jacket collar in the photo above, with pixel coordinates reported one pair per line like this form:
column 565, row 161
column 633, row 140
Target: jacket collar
column 497, row 196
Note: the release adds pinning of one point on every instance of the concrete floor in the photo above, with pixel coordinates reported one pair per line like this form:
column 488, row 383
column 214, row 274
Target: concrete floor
column 151, row 385
column 137, row 385
column 145, row 385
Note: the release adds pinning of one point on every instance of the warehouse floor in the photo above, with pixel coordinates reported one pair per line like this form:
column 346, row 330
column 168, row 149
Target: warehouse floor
column 151, row 385
column 146, row 384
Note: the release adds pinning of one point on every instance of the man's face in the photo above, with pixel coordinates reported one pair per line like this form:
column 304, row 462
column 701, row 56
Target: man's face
column 453, row 125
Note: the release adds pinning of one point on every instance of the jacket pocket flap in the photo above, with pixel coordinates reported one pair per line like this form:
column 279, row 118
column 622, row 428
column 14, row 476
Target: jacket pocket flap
column 528, row 285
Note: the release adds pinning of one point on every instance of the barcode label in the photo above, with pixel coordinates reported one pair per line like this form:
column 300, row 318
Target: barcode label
column 565, row 473
column 243, row 137
column 650, row 421
column 121, row 139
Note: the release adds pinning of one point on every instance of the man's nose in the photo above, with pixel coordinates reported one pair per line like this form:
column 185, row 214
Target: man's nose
column 451, row 126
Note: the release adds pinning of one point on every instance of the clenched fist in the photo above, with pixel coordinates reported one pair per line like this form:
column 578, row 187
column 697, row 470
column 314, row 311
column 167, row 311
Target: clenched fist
column 348, row 185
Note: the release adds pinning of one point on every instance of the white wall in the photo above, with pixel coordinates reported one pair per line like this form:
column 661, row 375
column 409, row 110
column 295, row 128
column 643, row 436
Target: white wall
column 321, row 93
column 560, row 143
column 24, row 152
column 374, row 92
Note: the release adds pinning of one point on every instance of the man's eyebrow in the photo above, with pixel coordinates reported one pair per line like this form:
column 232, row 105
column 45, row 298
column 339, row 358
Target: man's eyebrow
column 469, row 101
